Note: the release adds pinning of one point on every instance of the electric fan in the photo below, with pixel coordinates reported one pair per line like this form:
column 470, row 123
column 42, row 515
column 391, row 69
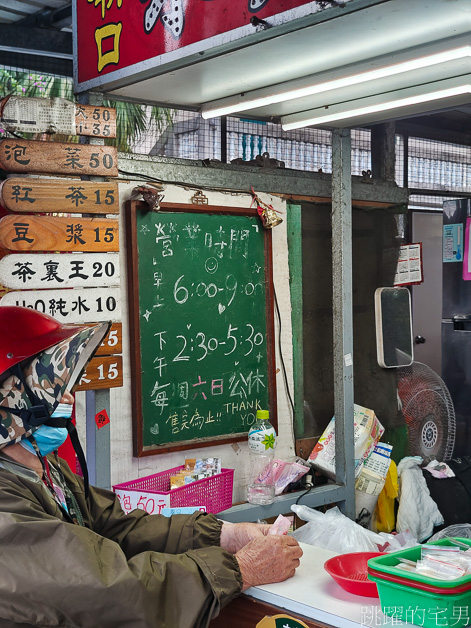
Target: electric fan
column 428, row 410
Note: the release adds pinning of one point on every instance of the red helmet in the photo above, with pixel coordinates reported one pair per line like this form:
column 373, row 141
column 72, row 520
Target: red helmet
column 25, row 332
column 39, row 360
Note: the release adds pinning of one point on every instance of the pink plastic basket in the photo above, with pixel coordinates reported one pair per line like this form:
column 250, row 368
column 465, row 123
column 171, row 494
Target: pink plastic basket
column 215, row 492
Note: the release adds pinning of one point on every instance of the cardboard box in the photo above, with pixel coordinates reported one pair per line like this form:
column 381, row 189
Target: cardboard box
column 367, row 432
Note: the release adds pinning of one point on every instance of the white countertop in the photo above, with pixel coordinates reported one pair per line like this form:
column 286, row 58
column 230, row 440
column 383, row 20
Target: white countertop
column 313, row 593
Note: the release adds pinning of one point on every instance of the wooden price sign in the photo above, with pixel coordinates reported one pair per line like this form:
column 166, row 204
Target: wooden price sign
column 59, row 196
column 102, row 372
column 95, row 121
column 58, row 158
column 48, row 270
column 45, row 233
column 105, row 370
column 112, row 342
column 85, row 305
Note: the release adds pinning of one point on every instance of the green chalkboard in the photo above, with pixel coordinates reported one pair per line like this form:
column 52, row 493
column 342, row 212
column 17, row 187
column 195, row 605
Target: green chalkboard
column 200, row 301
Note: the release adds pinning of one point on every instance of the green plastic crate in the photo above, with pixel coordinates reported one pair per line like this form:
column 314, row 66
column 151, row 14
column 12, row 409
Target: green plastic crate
column 387, row 563
column 429, row 610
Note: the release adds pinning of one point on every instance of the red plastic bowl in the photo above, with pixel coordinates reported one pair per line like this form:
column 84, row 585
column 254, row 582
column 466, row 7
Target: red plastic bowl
column 350, row 571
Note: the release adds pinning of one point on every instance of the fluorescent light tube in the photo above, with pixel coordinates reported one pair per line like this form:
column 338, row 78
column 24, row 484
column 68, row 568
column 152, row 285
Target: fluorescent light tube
column 218, row 108
column 307, row 118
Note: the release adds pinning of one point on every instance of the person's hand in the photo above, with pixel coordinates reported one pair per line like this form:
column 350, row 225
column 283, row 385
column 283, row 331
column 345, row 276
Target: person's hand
column 67, row 397
column 268, row 559
column 234, row 536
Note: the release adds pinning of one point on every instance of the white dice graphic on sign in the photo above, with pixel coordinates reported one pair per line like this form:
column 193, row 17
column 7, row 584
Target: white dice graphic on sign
column 173, row 19
column 256, row 5
column 152, row 14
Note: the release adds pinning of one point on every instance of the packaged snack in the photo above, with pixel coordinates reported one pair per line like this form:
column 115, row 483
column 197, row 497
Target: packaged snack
column 285, row 473
column 444, row 570
column 188, row 479
column 370, row 483
column 176, row 481
column 190, row 464
column 195, row 469
column 212, row 465
column 278, row 467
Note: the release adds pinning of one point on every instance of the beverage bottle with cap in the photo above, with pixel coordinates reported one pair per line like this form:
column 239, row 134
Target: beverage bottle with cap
column 262, row 441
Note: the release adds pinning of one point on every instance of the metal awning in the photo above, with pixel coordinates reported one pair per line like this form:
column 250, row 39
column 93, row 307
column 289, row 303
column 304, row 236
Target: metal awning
column 275, row 55
column 337, row 43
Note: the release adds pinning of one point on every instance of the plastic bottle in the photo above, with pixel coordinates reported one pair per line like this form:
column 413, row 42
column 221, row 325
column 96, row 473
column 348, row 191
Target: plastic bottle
column 262, row 441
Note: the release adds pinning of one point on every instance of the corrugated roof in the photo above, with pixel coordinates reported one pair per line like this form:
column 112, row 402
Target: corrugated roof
column 50, row 13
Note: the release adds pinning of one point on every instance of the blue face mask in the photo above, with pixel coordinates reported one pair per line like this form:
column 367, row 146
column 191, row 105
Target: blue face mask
column 63, row 410
column 50, row 438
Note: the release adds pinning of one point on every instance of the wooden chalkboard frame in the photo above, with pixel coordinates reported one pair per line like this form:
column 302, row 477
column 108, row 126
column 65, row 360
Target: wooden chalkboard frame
column 132, row 254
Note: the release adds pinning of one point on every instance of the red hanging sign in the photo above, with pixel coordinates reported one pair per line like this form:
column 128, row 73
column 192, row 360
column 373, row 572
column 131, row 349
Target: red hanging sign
column 114, row 35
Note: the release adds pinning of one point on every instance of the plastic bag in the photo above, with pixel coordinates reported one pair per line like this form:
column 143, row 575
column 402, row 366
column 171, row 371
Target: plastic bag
column 334, row 531
column 417, row 512
column 462, row 530
column 394, row 542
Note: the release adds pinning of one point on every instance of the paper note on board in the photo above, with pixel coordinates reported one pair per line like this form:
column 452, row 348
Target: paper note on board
column 39, row 115
column 453, row 243
column 409, row 265
column 152, row 503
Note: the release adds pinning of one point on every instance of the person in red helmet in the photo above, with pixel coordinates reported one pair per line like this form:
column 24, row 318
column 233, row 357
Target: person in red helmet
column 70, row 555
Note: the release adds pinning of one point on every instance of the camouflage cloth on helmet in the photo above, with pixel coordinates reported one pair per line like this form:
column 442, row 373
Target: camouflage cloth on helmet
column 49, row 375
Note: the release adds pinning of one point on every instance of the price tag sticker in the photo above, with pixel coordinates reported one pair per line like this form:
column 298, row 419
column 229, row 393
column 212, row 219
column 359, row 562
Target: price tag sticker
column 102, row 419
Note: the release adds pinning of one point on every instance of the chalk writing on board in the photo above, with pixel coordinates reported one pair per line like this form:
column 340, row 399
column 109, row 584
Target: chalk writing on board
column 203, row 329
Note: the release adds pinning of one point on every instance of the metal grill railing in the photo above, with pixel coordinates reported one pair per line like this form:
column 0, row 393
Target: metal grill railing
column 433, row 166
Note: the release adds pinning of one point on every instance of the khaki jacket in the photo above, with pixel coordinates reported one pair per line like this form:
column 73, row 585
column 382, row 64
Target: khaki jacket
column 129, row 571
